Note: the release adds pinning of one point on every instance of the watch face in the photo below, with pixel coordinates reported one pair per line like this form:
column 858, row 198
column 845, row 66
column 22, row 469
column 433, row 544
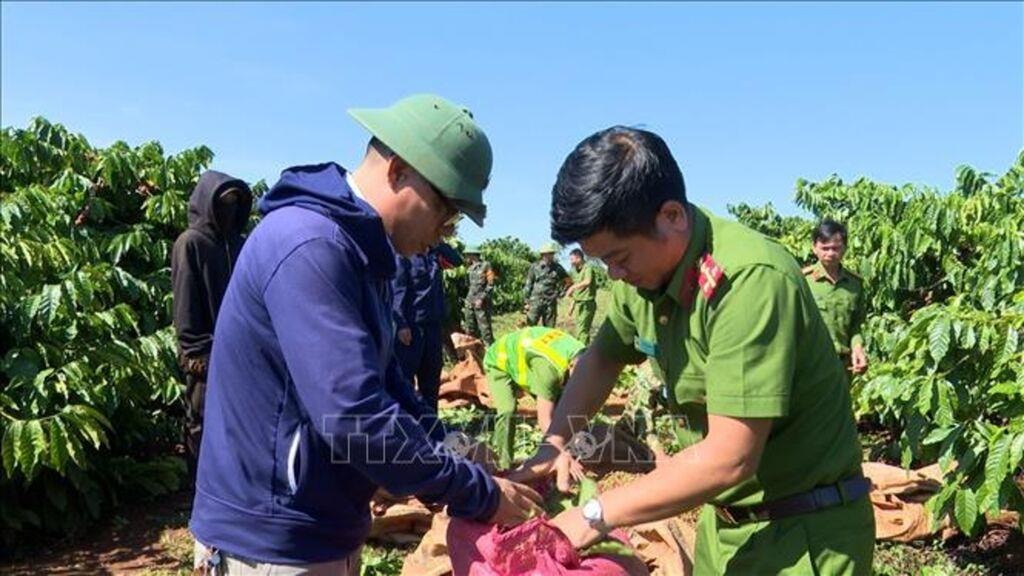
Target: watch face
column 592, row 510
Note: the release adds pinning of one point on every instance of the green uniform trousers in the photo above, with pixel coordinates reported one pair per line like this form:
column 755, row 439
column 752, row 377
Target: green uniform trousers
column 834, row 541
column 545, row 383
column 477, row 321
column 542, row 313
column 503, row 395
column 583, row 316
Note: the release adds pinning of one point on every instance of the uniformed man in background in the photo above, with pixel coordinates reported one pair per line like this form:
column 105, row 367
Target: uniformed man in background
column 535, row 361
column 839, row 294
column 583, row 293
column 546, row 281
column 476, row 312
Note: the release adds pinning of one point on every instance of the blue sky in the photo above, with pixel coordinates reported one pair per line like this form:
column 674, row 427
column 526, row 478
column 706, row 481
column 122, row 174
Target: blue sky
column 750, row 97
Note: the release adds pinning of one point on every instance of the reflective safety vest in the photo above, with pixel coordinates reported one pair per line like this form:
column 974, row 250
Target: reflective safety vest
column 513, row 352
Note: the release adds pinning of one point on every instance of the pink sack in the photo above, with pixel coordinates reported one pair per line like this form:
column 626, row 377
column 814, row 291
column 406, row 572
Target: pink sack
column 533, row 548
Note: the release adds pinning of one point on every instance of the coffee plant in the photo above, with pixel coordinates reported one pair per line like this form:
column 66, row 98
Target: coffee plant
column 944, row 274
column 89, row 384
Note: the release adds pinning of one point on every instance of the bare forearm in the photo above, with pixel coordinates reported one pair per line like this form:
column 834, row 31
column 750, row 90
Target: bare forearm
column 691, row 478
column 545, row 410
column 588, row 388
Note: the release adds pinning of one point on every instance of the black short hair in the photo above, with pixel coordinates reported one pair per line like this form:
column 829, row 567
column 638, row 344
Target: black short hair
column 615, row 180
column 576, row 252
column 828, row 229
column 381, row 148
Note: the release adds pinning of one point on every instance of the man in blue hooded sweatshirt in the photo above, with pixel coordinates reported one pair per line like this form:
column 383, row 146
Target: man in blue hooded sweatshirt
column 307, row 411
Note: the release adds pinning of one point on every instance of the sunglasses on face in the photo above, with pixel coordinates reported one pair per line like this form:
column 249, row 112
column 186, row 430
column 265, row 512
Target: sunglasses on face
column 454, row 215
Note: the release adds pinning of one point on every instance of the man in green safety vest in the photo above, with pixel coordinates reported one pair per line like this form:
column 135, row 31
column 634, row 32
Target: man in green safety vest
column 535, row 360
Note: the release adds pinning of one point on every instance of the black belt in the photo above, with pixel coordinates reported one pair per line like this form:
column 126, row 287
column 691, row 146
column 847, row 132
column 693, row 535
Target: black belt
column 813, row 500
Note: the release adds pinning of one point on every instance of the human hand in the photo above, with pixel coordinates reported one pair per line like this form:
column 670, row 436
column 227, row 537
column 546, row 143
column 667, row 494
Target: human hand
column 482, row 455
column 547, row 461
column 858, row 360
column 517, row 503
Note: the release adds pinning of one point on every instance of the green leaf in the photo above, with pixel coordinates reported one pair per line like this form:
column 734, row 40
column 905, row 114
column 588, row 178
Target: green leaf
column 58, row 445
column 938, row 339
column 91, row 414
column 610, row 547
column 1010, row 346
column 944, row 413
column 25, row 449
column 49, row 303
column 588, row 490
column 924, row 396
column 11, row 437
column 85, row 426
column 39, row 444
column 965, row 510
column 997, row 464
column 937, row 435
column 75, row 451
column 1016, row 451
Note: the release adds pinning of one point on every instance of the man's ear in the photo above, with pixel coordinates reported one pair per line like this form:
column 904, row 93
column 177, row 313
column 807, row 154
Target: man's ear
column 673, row 217
column 398, row 172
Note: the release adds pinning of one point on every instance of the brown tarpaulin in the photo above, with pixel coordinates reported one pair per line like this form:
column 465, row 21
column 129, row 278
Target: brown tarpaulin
column 898, row 498
column 465, row 383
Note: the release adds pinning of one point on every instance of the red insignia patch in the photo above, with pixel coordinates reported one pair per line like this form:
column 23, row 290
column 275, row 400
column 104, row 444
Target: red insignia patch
column 710, row 276
column 689, row 286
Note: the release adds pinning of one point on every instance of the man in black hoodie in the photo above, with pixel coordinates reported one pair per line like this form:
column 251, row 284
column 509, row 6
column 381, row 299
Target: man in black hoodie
column 201, row 263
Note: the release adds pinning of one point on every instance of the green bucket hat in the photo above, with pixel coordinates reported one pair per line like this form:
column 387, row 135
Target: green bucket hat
column 441, row 141
column 471, row 249
column 549, row 248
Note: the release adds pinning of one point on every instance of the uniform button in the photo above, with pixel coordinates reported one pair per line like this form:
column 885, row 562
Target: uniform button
column 663, row 320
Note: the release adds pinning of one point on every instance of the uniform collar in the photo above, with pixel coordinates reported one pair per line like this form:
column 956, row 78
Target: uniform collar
column 818, row 274
column 683, row 284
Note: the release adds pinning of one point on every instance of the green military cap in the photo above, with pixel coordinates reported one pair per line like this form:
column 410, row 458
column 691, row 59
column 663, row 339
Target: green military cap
column 441, row 141
column 471, row 249
column 549, row 248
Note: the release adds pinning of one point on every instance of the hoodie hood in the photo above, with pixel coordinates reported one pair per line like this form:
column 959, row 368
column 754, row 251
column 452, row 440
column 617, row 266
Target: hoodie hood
column 323, row 188
column 200, row 205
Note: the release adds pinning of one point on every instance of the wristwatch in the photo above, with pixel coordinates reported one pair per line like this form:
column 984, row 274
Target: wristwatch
column 594, row 515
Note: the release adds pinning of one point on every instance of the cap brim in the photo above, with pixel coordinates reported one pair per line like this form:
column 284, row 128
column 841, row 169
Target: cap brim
column 474, row 212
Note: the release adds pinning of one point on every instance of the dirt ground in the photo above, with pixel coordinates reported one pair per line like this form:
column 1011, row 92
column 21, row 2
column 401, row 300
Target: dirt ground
column 152, row 538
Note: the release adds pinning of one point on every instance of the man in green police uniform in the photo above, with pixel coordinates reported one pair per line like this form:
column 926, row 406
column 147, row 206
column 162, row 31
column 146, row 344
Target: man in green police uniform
column 583, row 293
column 726, row 318
column 535, row 360
column 839, row 294
column 545, row 282
column 476, row 312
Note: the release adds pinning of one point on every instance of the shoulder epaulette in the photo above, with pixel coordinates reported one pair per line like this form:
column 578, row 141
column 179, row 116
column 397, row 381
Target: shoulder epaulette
column 710, row 276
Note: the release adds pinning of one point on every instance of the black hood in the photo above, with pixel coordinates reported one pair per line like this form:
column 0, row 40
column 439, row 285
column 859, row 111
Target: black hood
column 200, row 205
